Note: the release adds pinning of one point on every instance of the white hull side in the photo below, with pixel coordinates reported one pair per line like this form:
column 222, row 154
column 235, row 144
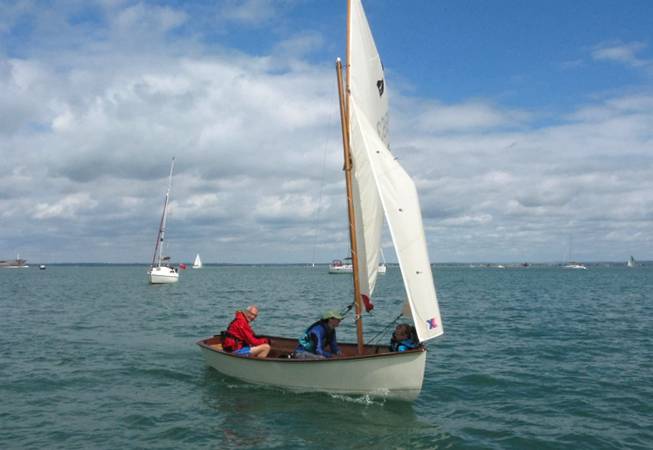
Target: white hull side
column 341, row 269
column 392, row 375
column 162, row 275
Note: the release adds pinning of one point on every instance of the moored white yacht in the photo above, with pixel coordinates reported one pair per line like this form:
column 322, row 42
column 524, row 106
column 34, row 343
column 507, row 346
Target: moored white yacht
column 161, row 272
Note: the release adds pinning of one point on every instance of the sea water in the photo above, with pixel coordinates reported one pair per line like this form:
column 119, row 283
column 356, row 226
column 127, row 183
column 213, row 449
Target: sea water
column 546, row 358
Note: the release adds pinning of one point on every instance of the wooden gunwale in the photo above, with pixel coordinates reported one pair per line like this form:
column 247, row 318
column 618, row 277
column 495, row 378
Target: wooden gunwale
column 286, row 345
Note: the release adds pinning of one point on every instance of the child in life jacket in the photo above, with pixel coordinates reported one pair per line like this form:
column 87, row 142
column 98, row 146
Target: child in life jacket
column 404, row 338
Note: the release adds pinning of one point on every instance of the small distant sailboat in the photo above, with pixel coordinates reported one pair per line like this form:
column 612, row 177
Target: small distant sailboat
column 631, row 262
column 161, row 272
column 573, row 264
column 382, row 267
column 197, row 264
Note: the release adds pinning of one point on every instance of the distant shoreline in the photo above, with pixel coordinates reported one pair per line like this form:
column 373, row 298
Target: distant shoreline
column 325, row 264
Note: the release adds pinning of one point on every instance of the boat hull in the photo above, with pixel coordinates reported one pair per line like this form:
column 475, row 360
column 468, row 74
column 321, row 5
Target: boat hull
column 377, row 373
column 341, row 269
column 14, row 264
column 163, row 275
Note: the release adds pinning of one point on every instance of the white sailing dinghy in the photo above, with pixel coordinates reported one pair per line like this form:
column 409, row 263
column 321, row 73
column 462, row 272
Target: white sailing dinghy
column 197, row 264
column 377, row 186
column 631, row 262
column 161, row 272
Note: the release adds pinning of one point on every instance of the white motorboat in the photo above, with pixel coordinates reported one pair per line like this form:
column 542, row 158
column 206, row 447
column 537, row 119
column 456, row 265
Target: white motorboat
column 337, row 266
column 377, row 187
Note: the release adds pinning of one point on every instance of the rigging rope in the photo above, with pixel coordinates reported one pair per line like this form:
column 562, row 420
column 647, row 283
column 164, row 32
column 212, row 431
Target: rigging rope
column 384, row 329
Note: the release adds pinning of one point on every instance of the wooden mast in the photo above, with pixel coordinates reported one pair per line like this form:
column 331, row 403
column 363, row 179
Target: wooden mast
column 344, row 119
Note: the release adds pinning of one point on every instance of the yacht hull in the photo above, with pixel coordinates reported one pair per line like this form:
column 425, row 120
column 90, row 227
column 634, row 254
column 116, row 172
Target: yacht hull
column 163, row 275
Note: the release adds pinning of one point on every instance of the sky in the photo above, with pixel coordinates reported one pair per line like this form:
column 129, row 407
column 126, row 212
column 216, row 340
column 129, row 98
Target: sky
column 527, row 127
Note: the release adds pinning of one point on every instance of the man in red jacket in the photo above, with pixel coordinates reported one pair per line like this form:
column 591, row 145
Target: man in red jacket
column 241, row 340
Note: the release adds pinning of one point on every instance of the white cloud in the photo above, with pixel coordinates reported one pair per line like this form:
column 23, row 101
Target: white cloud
column 251, row 12
column 68, row 207
column 476, row 116
column 148, row 17
column 625, row 53
column 87, row 136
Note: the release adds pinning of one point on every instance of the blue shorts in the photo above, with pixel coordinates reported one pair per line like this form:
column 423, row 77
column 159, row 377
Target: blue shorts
column 242, row 352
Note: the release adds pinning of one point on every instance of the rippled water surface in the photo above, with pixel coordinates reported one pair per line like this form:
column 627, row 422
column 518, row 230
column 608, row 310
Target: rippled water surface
column 94, row 357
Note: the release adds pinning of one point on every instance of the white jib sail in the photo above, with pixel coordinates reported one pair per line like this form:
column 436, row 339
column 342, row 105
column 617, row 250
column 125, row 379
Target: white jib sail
column 398, row 196
column 198, row 262
column 365, row 82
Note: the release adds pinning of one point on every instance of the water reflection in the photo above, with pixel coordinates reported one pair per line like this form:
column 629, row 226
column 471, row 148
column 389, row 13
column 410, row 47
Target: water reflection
column 250, row 416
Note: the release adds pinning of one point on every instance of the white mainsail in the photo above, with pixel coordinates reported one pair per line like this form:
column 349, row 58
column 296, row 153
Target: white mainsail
column 197, row 264
column 382, row 186
column 365, row 82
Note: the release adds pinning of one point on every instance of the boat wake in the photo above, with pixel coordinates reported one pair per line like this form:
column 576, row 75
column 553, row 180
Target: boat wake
column 366, row 400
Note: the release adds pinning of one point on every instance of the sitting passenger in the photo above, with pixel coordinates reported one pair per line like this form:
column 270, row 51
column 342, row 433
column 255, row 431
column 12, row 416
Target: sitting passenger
column 319, row 341
column 404, row 338
column 239, row 338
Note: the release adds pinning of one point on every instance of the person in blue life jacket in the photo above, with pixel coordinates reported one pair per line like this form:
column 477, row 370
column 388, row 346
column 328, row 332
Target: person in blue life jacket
column 404, row 338
column 319, row 340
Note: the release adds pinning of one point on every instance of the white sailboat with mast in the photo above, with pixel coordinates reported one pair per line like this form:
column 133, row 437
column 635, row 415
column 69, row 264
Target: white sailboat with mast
column 382, row 266
column 573, row 264
column 377, row 187
column 161, row 272
column 197, row 264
